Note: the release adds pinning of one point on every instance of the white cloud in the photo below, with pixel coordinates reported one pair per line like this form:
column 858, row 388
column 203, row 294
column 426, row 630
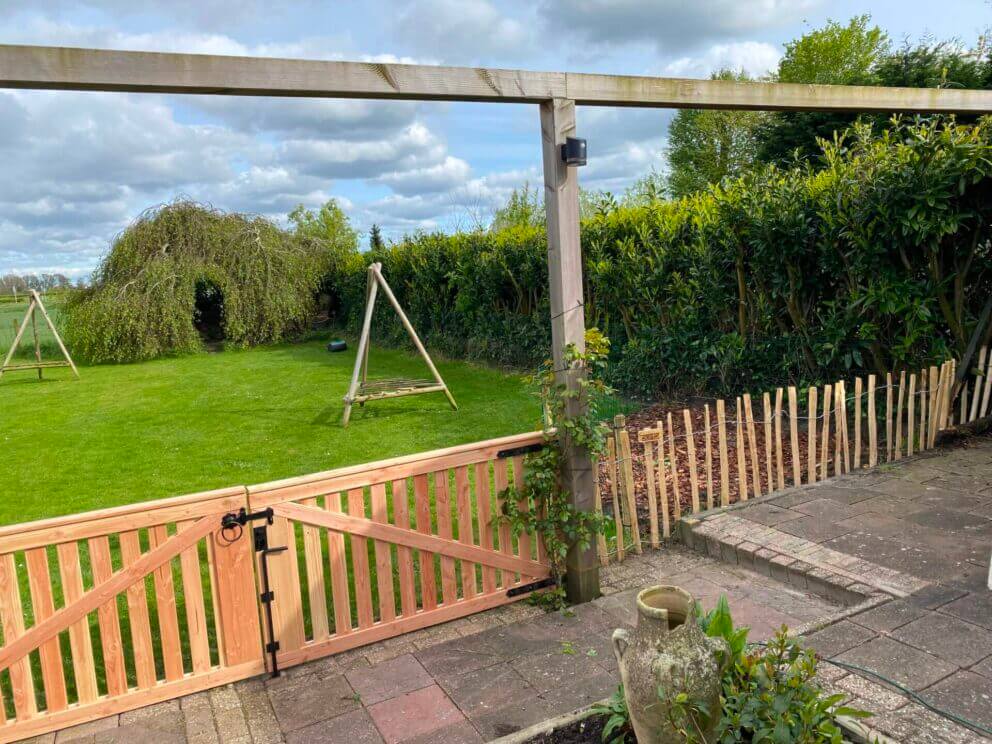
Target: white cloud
column 461, row 31
column 755, row 58
column 673, row 25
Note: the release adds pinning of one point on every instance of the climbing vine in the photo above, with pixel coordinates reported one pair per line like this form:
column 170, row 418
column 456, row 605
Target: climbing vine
column 543, row 504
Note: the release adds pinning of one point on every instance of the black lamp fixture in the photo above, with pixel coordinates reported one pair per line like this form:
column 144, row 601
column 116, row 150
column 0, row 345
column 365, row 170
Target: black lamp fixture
column 573, row 152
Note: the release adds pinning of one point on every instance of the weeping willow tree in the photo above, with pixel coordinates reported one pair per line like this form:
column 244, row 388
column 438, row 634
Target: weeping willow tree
column 181, row 261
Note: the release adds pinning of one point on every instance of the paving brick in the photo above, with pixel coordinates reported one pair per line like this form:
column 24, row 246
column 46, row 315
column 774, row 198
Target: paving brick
column 493, row 724
column 966, row 694
column 200, row 727
column 837, row 638
column 768, row 514
column 304, row 705
column 258, row 712
column 878, row 699
column 355, row 727
column 85, row 731
column 389, row 679
column 974, row 607
column 414, row 714
column 889, row 616
column 779, row 566
column 984, row 667
column 462, row 732
column 488, row 689
column 907, row 665
column 953, row 640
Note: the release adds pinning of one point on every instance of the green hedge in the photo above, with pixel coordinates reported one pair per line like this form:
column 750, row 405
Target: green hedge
column 876, row 259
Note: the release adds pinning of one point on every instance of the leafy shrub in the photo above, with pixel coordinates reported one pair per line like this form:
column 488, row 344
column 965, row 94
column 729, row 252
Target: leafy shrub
column 769, row 694
column 881, row 259
column 143, row 299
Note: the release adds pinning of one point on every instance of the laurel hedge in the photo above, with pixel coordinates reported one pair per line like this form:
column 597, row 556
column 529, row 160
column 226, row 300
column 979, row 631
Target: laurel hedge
column 142, row 302
column 875, row 258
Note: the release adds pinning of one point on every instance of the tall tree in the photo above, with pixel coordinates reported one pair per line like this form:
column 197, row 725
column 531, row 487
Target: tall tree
column 704, row 146
column 832, row 55
column 375, row 238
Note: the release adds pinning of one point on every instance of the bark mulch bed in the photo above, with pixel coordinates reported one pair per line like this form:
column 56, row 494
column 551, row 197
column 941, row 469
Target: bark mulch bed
column 649, row 416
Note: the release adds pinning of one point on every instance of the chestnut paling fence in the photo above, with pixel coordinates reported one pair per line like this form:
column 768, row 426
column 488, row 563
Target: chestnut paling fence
column 119, row 608
column 731, row 451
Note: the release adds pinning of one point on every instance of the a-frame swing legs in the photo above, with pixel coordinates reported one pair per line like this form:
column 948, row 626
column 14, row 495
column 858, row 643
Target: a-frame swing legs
column 361, row 358
column 36, row 305
column 357, row 391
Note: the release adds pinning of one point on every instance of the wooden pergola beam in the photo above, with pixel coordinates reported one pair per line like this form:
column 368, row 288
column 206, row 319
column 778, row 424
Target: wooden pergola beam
column 68, row 68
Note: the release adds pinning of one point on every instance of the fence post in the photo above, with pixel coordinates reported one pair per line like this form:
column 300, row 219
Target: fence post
column 561, row 203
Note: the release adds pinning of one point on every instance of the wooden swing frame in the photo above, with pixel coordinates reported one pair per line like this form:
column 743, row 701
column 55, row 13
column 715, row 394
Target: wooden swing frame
column 34, row 305
column 362, row 389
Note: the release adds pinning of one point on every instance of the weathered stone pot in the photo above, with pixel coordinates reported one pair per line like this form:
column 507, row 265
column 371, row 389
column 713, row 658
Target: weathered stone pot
column 668, row 651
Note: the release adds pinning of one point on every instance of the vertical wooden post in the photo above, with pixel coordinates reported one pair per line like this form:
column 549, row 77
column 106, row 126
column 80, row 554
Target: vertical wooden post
column 797, row 457
column 811, row 436
column 561, row 204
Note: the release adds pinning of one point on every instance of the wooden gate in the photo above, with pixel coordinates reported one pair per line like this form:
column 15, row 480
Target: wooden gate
column 383, row 549
column 116, row 609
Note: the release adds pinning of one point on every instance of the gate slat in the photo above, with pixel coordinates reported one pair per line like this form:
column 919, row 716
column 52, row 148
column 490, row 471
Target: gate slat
column 428, row 583
column 137, row 610
column 12, row 617
column 404, row 555
column 80, row 643
column 165, row 606
column 314, row 560
column 110, row 625
column 483, row 498
column 504, row 579
column 284, row 577
column 523, row 541
column 360, row 562
column 442, row 500
column 196, row 616
column 463, row 507
column 40, row 584
column 383, row 558
column 340, row 594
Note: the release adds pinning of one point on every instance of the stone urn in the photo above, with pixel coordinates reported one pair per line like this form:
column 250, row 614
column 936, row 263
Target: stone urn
column 668, row 652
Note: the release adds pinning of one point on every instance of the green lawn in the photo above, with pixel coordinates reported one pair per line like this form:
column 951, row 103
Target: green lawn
column 135, row 432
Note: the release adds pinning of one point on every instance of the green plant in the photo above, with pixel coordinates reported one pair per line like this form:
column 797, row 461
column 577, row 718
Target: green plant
column 617, row 729
column 769, row 692
column 542, row 505
column 182, row 260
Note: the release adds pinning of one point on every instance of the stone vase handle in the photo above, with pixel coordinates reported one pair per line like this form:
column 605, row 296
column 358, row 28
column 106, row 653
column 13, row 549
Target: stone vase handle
column 621, row 640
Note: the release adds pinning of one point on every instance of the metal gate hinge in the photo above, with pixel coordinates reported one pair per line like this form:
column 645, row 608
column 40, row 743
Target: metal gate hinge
column 531, row 587
column 514, row 451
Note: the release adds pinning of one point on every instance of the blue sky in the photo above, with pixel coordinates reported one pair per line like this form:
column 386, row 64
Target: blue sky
column 79, row 166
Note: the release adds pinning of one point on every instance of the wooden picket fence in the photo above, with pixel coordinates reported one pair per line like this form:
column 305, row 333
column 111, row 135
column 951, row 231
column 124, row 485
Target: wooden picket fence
column 801, row 437
column 119, row 608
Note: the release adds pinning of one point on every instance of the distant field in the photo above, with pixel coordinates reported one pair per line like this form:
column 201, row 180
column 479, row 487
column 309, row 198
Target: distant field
column 127, row 433
column 11, row 315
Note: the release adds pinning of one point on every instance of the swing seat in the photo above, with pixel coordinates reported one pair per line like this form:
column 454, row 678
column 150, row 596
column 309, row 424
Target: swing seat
column 394, row 387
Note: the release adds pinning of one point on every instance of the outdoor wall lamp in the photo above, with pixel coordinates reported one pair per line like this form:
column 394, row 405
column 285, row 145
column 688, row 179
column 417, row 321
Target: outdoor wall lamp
column 573, row 152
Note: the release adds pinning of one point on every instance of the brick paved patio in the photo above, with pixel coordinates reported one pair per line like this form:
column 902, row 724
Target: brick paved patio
column 916, row 535
column 467, row 681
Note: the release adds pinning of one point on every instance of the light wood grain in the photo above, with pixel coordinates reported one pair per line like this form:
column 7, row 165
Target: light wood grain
column 12, row 621
column 872, row 416
column 65, row 68
column 83, row 662
column 404, row 555
column 708, row 432
column 721, row 421
column 797, row 458
column 811, row 424
column 383, row 556
column 690, row 446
